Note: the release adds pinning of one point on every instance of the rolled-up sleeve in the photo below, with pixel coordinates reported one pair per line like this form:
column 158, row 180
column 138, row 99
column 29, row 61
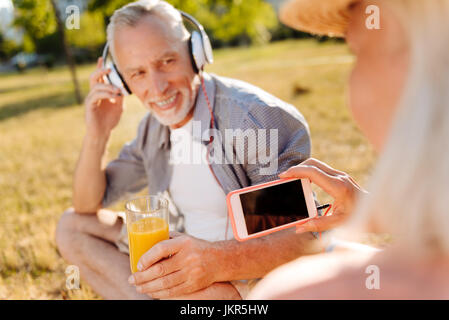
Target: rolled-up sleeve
column 126, row 175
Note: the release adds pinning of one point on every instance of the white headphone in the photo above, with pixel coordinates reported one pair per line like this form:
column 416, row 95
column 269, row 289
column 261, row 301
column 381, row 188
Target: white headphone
column 200, row 51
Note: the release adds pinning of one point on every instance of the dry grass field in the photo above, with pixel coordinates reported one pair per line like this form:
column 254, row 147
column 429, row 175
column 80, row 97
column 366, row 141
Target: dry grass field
column 41, row 130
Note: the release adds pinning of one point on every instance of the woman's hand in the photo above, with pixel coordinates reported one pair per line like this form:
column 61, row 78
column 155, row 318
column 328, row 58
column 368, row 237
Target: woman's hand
column 337, row 184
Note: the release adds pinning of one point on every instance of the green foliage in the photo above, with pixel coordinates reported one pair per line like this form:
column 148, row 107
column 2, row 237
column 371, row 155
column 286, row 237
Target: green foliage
column 8, row 48
column 36, row 18
column 106, row 7
column 85, row 37
column 247, row 21
column 226, row 21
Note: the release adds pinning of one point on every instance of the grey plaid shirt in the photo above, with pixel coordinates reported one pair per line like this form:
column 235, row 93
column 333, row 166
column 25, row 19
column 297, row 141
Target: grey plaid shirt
column 239, row 108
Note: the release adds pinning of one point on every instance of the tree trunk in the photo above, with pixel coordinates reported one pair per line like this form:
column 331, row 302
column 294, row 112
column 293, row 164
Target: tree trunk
column 68, row 53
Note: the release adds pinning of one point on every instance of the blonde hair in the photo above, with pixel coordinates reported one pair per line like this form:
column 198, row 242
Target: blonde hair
column 410, row 184
column 133, row 12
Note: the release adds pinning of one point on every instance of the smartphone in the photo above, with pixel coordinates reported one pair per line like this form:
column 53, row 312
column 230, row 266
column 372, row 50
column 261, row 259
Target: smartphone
column 269, row 207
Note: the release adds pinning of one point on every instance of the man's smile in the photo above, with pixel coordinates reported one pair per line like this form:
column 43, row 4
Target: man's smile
column 166, row 103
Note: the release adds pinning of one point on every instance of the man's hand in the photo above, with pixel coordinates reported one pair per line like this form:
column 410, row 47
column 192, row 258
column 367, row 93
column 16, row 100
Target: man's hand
column 176, row 267
column 104, row 104
column 338, row 184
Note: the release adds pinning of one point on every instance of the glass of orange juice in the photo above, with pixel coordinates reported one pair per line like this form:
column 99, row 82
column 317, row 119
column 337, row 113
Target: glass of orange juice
column 147, row 224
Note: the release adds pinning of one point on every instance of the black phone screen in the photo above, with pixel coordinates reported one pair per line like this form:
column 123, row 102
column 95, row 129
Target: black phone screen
column 274, row 206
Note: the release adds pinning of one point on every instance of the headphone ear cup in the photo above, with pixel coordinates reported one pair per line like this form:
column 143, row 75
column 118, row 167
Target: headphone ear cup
column 207, row 48
column 192, row 59
column 197, row 50
column 116, row 80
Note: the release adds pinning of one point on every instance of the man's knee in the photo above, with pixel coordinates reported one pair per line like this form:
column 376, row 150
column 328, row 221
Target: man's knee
column 66, row 233
column 73, row 228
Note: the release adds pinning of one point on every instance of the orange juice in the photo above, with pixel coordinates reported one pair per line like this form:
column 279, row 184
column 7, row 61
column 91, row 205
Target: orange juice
column 142, row 235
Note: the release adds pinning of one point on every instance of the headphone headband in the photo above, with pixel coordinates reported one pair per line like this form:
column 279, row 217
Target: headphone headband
column 205, row 39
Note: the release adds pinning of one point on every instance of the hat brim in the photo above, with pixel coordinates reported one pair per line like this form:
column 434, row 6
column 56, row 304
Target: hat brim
column 321, row 17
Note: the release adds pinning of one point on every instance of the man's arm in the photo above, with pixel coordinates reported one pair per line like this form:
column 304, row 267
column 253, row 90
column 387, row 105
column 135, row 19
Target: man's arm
column 103, row 109
column 256, row 257
column 89, row 181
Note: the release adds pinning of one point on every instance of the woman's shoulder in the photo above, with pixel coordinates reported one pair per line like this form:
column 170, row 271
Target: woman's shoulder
column 304, row 277
column 354, row 275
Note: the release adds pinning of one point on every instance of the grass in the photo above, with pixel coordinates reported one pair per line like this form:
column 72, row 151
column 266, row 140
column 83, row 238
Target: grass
column 41, row 130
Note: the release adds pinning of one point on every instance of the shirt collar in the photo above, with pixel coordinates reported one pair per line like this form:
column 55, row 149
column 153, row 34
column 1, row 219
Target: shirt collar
column 164, row 136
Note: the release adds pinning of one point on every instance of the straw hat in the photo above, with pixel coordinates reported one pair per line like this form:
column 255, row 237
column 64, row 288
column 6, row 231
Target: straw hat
column 323, row 17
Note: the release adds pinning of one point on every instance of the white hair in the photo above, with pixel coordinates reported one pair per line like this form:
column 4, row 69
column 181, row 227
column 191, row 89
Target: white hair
column 133, row 12
column 410, row 184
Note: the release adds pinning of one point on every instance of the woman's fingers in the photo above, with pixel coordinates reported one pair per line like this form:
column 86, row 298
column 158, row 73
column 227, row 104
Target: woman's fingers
column 323, row 166
column 356, row 184
column 337, row 184
column 320, row 224
column 330, row 184
column 341, row 187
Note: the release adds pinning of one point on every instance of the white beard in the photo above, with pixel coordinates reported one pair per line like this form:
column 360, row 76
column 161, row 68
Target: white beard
column 170, row 120
column 173, row 116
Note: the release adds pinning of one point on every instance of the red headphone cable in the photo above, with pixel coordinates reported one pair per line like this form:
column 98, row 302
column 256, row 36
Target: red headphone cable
column 212, row 125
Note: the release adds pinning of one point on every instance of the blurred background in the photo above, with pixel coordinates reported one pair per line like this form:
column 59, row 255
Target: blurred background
column 46, row 58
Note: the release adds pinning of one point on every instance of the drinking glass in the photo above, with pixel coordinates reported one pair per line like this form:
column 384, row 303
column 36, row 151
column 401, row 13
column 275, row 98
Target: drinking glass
column 147, row 224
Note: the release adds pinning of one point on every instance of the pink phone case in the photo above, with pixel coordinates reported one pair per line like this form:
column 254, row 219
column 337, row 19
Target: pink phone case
column 265, row 232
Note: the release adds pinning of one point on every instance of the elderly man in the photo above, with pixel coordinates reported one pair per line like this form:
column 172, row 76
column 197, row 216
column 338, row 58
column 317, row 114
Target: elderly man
column 150, row 46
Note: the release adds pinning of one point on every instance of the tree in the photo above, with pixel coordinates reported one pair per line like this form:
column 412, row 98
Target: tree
column 84, row 37
column 36, row 18
column 44, row 32
column 8, row 48
column 67, row 52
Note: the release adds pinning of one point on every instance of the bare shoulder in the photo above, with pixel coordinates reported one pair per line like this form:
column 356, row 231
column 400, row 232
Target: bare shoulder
column 323, row 276
column 356, row 275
